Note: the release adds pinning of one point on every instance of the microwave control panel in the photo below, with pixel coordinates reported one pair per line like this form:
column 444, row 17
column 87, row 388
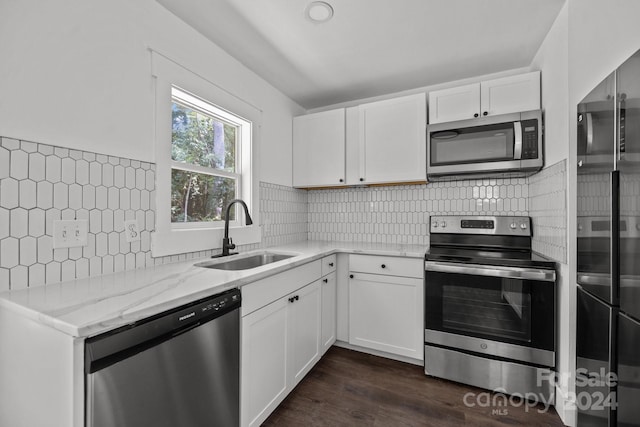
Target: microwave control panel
column 529, row 139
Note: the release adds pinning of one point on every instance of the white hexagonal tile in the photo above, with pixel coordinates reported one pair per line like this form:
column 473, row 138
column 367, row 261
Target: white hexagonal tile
column 75, row 154
column 125, row 247
column 75, row 253
column 113, row 201
column 101, row 158
column 150, row 220
column 114, row 243
column 19, row 164
column 118, row 176
column 19, row 277
column 27, row 194
column 102, row 244
column 50, row 216
column 88, row 197
column 118, row 220
column 60, row 195
column 9, row 252
column 68, row 270
column 75, row 196
column 47, row 150
column 125, row 162
column 107, row 221
column 19, row 223
column 68, row 214
column 89, row 157
column 44, row 195
column 10, row 143
column 150, row 180
column 53, row 169
column 45, row 249
column 89, row 250
column 118, row 263
column 141, row 179
column 68, row 170
column 53, row 272
column 37, row 222
column 135, row 199
column 95, row 173
column 82, row 214
column 82, row 268
column 4, row 223
column 82, row 172
column 114, row 160
column 102, row 198
column 107, row 175
column 9, row 193
column 36, row 167
column 125, row 198
column 4, row 279
column 130, row 177
column 95, row 266
column 4, row 162
column 95, row 221
column 144, row 200
column 28, row 251
column 37, row 275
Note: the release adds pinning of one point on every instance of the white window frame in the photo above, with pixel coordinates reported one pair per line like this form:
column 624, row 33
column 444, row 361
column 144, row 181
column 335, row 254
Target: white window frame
column 176, row 238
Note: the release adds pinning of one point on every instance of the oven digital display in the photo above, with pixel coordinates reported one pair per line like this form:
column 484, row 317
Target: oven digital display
column 477, row 223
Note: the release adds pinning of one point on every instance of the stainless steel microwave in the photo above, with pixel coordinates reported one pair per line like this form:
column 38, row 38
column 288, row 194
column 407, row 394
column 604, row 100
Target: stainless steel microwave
column 494, row 146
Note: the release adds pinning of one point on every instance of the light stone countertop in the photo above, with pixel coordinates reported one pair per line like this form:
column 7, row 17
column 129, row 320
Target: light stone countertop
column 90, row 306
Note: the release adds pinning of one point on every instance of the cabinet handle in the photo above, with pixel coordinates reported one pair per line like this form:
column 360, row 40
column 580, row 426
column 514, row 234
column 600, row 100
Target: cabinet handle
column 383, row 266
column 291, row 299
column 351, row 276
column 325, row 280
column 341, row 180
column 476, row 115
column 485, row 113
column 361, row 179
column 330, row 264
column 297, row 297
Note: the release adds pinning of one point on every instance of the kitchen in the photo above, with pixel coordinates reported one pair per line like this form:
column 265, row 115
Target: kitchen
column 72, row 60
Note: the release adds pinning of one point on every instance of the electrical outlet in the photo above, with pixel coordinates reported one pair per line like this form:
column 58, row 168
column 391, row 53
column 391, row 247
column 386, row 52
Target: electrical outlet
column 131, row 232
column 70, row 233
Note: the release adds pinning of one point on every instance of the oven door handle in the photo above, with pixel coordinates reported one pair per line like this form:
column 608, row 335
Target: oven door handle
column 542, row 275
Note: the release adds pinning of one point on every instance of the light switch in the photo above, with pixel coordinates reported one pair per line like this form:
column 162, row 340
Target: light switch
column 70, row 233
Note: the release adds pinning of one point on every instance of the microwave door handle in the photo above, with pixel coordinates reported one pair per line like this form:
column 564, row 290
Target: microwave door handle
column 517, row 140
column 521, row 273
column 589, row 119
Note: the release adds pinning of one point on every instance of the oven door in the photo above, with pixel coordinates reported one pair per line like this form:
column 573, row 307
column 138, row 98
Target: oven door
column 507, row 312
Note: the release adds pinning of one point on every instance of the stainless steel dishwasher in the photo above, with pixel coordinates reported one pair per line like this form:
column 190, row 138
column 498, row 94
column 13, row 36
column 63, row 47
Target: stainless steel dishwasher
column 178, row 368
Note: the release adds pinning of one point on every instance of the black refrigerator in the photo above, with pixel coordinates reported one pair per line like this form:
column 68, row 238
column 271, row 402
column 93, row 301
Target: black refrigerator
column 608, row 251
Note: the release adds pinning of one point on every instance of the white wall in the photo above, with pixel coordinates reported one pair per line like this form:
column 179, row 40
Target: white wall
column 76, row 74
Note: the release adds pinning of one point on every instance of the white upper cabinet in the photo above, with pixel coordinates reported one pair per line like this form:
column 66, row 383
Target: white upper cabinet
column 318, row 149
column 391, row 140
column 457, row 103
column 498, row 96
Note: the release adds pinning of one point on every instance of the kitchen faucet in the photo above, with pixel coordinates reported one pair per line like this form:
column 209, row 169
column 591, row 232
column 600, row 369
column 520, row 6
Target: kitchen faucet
column 227, row 243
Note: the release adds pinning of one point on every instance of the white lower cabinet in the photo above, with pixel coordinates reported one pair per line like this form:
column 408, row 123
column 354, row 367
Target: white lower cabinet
column 386, row 311
column 282, row 335
column 328, row 330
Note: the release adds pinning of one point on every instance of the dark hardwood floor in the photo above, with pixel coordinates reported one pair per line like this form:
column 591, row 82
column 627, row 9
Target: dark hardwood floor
column 349, row 388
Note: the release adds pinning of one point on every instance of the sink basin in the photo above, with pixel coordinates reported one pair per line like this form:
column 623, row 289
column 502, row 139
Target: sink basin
column 246, row 262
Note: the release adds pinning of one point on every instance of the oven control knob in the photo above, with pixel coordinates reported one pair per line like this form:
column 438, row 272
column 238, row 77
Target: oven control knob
column 443, row 224
column 513, row 225
column 435, row 224
column 523, row 225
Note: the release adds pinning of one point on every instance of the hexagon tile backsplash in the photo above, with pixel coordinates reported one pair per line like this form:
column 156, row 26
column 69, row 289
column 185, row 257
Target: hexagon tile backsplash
column 41, row 183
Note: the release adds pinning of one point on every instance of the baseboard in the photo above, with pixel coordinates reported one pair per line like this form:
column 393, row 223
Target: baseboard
column 379, row 353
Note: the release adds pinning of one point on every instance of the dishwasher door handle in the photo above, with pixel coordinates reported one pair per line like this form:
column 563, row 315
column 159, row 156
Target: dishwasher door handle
column 522, row 273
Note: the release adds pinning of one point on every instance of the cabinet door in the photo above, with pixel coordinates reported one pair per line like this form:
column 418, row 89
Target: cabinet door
column 264, row 362
column 319, row 149
column 510, row 94
column 304, row 331
column 328, row 311
column 386, row 313
column 456, row 103
column 392, row 140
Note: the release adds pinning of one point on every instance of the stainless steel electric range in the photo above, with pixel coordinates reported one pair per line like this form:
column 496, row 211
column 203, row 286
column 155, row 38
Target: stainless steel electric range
column 490, row 306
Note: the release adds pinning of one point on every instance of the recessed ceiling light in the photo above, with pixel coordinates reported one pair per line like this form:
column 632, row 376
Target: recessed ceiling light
column 319, row 11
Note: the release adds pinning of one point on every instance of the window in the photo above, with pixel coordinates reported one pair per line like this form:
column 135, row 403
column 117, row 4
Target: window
column 206, row 166
column 205, row 139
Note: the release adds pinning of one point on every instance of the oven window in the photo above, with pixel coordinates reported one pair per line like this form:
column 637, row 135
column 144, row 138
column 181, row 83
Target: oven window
column 502, row 311
column 491, row 143
column 499, row 309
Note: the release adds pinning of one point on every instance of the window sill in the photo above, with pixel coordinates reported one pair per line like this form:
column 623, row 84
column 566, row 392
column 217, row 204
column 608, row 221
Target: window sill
column 193, row 240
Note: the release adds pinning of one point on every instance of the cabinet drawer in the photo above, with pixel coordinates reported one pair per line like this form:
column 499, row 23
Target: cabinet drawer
column 262, row 292
column 387, row 265
column 329, row 264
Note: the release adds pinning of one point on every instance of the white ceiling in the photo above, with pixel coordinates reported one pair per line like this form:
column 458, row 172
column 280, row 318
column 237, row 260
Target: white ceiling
column 371, row 47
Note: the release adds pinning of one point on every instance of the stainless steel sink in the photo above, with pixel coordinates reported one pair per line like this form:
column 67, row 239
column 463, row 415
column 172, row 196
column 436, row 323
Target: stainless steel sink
column 245, row 262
